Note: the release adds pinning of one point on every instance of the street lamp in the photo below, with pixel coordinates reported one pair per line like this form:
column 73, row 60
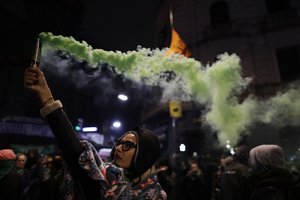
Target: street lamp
column 182, row 148
column 117, row 124
column 123, row 97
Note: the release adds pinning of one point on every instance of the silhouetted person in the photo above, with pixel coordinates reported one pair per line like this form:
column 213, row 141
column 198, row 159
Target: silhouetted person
column 268, row 178
column 194, row 183
column 21, row 160
column 210, row 169
column 53, row 186
column 234, row 182
column 166, row 177
column 10, row 184
column 217, row 178
column 36, row 174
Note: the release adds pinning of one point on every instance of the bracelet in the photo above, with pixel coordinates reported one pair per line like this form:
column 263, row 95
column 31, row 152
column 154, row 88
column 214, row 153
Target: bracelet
column 45, row 103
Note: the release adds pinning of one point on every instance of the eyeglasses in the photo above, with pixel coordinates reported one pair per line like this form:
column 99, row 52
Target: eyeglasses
column 126, row 145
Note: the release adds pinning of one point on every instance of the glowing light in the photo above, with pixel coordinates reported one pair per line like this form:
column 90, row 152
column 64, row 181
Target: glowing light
column 77, row 128
column 228, row 146
column 123, row 97
column 117, row 124
column 232, row 151
column 89, row 129
column 182, row 148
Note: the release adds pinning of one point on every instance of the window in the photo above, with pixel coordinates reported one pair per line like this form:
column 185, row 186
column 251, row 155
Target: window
column 219, row 13
column 289, row 63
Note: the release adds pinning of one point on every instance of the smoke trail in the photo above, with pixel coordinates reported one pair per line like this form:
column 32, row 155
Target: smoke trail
column 282, row 109
column 217, row 86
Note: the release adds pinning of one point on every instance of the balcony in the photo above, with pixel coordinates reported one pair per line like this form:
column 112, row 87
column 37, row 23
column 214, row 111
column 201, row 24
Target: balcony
column 286, row 19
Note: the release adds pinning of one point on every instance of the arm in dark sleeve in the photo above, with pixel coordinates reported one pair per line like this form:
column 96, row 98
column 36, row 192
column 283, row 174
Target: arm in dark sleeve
column 65, row 136
column 69, row 143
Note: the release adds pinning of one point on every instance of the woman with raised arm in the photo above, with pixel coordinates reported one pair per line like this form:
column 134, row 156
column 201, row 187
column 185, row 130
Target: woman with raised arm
column 130, row 175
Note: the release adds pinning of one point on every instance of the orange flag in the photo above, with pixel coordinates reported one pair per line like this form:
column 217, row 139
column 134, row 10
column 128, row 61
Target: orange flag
column 177, row 45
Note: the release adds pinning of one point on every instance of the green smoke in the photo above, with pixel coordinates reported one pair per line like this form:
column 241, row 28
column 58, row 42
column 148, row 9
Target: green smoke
column 282, row 109
column 217, row 86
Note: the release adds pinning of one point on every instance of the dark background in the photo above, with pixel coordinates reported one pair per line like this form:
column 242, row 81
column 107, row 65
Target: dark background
column 262, row 33
column 109, row 25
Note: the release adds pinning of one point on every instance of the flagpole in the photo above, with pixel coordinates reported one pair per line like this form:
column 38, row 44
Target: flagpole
column 173, row 143
column 171, row 19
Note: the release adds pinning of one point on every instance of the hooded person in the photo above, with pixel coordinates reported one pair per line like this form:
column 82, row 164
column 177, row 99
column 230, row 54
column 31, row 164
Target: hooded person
column 146, row 153
column 268, row 178
column 266, row 157
column 10, row 183
column 130, row 175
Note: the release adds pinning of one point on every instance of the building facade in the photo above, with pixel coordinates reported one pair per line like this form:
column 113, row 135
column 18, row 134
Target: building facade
column 265, row 34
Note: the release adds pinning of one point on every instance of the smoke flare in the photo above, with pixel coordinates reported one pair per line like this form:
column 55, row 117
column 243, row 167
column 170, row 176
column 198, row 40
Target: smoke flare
column 218, row 86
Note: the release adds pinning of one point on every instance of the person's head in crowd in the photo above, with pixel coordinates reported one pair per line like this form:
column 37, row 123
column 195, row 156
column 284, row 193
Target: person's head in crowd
column 163, row 164
column 195, row 169
column 21, row 159
column 194, row 166
column 225, row 160
column 136, row 151
column 57, row 163
column 241, row 153
column 266, row 157
column 7, row 161
column 33, row 158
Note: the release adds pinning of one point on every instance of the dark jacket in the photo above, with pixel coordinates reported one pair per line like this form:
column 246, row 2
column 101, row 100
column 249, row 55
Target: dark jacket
column 275, row 184
column 234, row 182
column 71, row 148
column 194, row 186
column 10, row 186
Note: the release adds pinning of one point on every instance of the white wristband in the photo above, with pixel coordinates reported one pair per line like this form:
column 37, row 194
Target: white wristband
column 50, row 108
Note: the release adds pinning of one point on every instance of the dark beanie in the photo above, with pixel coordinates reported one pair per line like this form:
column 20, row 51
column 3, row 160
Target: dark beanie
column 147, row 151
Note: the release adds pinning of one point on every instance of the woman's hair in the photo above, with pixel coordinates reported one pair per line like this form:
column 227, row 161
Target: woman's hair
column 266, row 157
column 146, row 154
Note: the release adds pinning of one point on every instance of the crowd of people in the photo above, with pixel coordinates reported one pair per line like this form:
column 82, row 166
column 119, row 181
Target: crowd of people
column 29, row 175
column 136, row 169
column 248, row 174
